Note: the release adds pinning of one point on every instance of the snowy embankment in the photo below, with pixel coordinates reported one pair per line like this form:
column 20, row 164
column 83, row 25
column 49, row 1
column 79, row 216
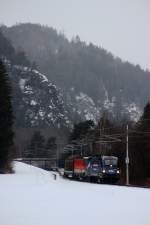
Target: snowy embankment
column 31, row 196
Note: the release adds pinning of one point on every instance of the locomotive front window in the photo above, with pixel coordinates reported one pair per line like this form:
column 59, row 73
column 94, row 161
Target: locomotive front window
column 108, row 162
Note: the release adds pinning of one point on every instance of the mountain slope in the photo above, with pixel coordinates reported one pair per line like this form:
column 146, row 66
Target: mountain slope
column 84, row 70
column 36, row 101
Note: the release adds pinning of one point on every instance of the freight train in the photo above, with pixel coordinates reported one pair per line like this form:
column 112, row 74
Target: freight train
column 95, row 168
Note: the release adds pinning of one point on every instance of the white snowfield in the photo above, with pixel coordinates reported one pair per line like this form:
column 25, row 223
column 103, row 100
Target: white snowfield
column 31, row 196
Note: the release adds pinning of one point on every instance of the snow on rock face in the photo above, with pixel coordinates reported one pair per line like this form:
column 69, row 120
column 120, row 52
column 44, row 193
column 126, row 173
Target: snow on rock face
column 109, row 104
column 32, row 196
column 124, row 109
column 44, row 78
column 40, row 102
column 36, row 100
column 41, row 113
column 134, row 111
column 33, row 102
column 84, row 97
column 86, row 107
column 22, row 83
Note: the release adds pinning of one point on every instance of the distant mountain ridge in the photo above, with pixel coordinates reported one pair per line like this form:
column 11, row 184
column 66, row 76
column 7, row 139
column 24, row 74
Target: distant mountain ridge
column 90, row 78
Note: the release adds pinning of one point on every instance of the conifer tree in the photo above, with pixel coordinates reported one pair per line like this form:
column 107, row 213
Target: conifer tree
column 140, row 159
column 144, row 129
column 144, row 123
column 36, row 147
column 51, row 147
column 81, row 129
column 6, row 121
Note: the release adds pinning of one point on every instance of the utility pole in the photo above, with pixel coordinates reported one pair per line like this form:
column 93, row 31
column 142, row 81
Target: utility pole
column 81, row 148
column 127, row 155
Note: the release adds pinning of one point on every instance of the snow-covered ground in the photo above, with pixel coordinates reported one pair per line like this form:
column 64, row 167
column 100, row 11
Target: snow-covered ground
column 31, row 196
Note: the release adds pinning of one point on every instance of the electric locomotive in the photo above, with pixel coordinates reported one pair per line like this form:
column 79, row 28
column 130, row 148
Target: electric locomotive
column 93, row 168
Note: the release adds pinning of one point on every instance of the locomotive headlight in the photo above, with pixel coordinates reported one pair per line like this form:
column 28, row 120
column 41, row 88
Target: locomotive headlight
column 104, row 171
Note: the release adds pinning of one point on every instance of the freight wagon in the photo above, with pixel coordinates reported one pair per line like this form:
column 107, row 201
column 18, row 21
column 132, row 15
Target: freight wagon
column 75, row 168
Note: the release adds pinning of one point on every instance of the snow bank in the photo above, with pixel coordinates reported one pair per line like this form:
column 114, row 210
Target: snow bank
column 31, row 196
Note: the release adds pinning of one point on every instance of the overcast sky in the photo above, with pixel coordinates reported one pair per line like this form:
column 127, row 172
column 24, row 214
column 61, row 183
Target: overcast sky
column 120, row 26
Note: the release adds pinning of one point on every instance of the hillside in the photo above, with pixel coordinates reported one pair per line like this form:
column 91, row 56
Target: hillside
column 32, row 196
column 88, row 75
column 37, row 102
